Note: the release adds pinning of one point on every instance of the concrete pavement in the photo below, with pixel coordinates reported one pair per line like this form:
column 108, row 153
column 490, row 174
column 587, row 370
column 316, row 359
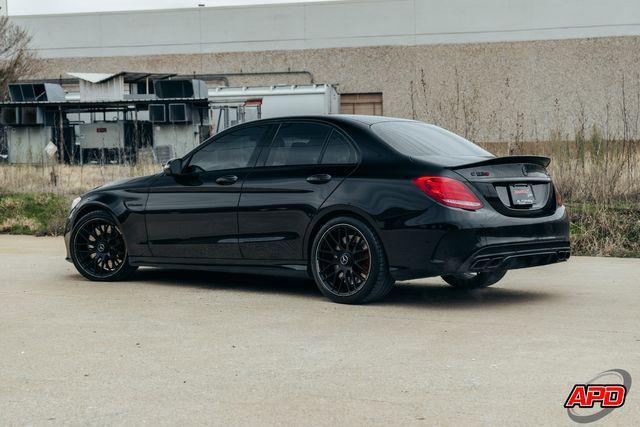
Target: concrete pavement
column 201, row 348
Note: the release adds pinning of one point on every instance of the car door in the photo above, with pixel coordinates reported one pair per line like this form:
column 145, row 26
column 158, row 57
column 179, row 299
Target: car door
column 194, row 215
column 304, row 163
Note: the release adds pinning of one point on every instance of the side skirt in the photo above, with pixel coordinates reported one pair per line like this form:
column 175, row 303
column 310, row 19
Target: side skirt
column 267, row 268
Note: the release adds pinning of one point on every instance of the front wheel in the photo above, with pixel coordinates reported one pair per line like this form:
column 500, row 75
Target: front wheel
column 98, row 249
column 474, row 280
column 348, row 262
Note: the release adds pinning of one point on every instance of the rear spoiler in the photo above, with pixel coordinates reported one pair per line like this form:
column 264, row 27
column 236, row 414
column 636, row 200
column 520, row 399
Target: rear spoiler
column 536, row 160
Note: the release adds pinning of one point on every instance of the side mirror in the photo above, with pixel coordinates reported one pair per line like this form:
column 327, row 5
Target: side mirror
column 173, row 167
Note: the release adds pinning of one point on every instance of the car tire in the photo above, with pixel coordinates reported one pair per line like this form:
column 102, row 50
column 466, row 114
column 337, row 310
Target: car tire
column 348, row 262
column 98, row 250
column 474, row 280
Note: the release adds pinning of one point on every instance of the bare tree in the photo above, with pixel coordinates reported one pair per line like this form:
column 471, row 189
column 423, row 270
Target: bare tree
column 16, row 60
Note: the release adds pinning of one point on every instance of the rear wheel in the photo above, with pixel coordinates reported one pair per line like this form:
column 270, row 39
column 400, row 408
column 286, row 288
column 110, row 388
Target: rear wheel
column 98, row 249
column 348, row 262
column 474, row 280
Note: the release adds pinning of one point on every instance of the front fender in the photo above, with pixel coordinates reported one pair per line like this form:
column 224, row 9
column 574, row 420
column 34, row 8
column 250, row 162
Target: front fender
column 127, row 209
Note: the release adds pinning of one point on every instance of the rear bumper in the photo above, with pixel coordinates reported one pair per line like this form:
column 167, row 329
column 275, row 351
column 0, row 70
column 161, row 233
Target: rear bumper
column 464, row 242
column 517, row 255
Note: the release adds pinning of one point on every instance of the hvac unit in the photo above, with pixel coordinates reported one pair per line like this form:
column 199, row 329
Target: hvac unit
column 101, row 135
column 22, row 116
column 181, row 88
column 157, row 113
column 174, row 89
column 179, row 113
column 30, row 116
column 10, row 116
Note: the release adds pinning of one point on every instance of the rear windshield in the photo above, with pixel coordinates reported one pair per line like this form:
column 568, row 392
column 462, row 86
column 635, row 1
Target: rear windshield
column 421, row 139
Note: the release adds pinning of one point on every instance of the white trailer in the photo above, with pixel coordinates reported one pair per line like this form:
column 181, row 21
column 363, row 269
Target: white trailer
column 232, row 105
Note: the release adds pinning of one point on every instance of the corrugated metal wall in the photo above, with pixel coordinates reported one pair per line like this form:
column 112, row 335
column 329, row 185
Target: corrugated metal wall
column 110, row 90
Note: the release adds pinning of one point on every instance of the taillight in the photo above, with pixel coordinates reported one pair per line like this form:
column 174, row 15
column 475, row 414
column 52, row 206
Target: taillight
column 449, row 192
column 558, row 197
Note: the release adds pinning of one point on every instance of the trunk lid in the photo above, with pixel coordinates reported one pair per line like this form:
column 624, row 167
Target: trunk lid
column 514, row 185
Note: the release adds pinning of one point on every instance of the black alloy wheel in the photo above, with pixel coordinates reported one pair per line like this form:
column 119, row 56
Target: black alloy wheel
column 98, row 248
column 343, row 259
column 348, row 262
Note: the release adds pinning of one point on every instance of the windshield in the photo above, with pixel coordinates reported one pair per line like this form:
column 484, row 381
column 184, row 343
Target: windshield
column 421, row 139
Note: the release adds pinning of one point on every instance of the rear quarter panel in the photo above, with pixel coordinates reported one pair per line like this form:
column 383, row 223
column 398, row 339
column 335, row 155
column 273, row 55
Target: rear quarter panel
column 394, row 207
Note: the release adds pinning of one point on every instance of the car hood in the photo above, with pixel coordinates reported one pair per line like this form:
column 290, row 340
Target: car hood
column 126, row 183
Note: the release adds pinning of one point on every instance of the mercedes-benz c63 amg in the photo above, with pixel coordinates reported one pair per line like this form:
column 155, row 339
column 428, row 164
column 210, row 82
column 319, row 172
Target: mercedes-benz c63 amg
column 356, row 202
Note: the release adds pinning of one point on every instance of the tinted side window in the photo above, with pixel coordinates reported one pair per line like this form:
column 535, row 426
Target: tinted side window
column 230, row 151
column 297, row 144
column 338, row 151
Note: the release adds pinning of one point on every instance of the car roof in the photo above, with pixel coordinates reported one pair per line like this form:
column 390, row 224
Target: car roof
column 339, row 118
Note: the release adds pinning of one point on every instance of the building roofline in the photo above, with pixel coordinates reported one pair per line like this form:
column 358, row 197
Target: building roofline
column 179, row 9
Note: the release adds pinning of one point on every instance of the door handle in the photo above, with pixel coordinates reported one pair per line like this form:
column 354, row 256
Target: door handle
column 319, row 178
column 227, row 180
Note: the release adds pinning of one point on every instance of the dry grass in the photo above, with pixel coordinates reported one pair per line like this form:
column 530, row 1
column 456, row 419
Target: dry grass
column 599, row 180
column 65, row 179
column 600, row 230
column 587, row 170
column 18, row 222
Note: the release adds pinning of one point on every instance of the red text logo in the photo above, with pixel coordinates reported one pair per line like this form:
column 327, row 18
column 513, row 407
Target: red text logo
column 587, row 395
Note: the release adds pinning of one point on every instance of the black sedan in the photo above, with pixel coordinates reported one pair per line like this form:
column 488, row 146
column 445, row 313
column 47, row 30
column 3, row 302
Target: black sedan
column 356, row 202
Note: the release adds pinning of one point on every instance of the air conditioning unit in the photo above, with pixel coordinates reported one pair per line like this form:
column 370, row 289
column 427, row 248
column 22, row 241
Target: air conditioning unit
column 25, row 116
column 181, row 88
column 31, row 116
column 174, row 89
column 179, row 113
column 10, row 116
column 157, row 113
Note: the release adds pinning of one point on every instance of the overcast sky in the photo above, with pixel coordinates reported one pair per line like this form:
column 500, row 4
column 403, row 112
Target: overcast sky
column 31, row 7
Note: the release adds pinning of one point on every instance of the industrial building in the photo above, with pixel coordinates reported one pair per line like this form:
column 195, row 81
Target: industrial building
column 491, row 70
column 117, row 118
column 102, row 124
